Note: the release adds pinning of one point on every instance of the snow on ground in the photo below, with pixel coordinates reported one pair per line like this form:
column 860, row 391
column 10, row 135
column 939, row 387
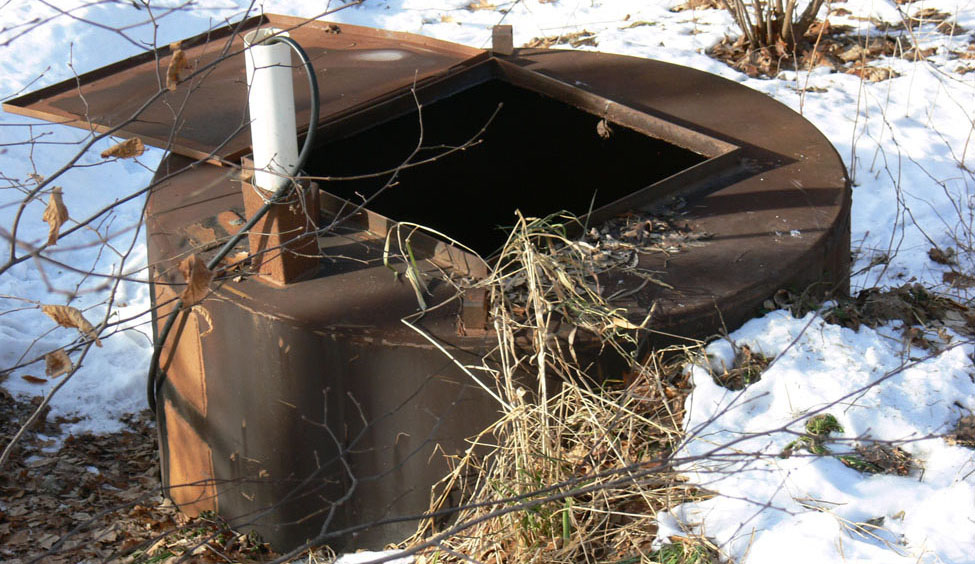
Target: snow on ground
column 909, row 143
column 877, row 387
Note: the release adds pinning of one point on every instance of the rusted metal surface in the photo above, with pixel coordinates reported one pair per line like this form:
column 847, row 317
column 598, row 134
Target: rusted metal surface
column 312, row 406
column 284, row 243
column 306, row 379
column 188, row 466
column 502, row 40
column 785, row 225
column 355, row 65
column 776, row 200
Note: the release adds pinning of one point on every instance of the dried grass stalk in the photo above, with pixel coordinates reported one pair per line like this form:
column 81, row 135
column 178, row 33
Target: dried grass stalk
column 588, row 458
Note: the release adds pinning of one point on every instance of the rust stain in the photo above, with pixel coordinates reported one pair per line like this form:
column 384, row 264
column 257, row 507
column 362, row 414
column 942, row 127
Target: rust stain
column 182, row 358
column 191, row 476
column 283, row 246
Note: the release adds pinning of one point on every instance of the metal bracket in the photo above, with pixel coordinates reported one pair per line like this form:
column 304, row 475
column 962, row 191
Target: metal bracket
column 283, row 244
column 502, row 40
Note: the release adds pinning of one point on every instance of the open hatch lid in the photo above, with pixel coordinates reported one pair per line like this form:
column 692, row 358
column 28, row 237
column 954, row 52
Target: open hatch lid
column 206, row 115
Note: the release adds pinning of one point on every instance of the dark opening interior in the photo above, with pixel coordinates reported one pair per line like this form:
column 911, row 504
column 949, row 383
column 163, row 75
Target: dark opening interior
column 538, row 155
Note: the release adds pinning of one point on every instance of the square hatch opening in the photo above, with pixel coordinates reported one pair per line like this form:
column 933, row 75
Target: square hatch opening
column 521, row 148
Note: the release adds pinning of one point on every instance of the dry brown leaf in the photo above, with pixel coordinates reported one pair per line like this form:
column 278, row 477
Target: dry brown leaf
column 197, row 277
column 67, row 316
column 130, row 148
column 47, row 540
column 57, row 363
column 55, row 215
column 475, row 5
column 177, row 65
column 946, row 257
column 873, row 74
column 958, row 279
column 698, row 4
column 34, row 379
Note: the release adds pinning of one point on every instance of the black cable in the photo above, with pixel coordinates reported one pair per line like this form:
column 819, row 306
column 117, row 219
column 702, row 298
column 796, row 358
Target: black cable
column 154, row 379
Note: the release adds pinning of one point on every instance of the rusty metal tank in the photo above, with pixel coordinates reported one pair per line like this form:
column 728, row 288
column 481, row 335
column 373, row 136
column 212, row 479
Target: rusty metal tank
column 305, row 409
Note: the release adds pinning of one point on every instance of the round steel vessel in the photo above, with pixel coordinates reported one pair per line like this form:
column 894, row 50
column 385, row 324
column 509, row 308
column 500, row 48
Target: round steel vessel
column 308, row 407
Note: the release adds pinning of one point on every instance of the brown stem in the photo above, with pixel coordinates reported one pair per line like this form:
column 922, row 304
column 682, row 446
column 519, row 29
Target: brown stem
column 808, row 17
column 788, row 30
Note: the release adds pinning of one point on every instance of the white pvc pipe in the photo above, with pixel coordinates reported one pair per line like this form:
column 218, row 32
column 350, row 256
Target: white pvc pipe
column 271, row 103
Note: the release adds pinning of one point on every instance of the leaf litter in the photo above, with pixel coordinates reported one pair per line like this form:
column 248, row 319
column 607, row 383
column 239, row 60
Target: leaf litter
column 840, row 48
column 95, row 498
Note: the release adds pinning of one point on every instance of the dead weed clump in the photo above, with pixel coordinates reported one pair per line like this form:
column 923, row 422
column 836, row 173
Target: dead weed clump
column 923, row 313
column 684, row 550
column 576, row 468
column 964, row 432
column 880, row 458
column 747, row 369
column 873, row 457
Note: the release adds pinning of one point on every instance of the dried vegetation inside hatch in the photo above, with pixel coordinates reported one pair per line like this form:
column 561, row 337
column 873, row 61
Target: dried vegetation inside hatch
column 571, row 274
column 575, row 468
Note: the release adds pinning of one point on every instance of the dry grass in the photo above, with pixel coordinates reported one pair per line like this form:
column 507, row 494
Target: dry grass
column 576, row 468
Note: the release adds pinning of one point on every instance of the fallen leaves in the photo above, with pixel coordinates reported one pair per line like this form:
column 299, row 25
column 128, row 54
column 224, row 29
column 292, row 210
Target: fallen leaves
column 577, row 39
column 57, row 363
column 942, row 21
column 80, row 503
column 840, row 48
column 197, row 277
column 476, row 5
column 177, row 66
column 67, row 316
column 922, row 312
column 128, row 149
column 873, row 74
column 747, row 369
column 698, row 4
column 33, row 379
column 55, row 215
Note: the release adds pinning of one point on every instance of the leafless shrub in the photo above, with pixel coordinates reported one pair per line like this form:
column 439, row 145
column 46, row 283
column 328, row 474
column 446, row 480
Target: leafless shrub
column 768, row 23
